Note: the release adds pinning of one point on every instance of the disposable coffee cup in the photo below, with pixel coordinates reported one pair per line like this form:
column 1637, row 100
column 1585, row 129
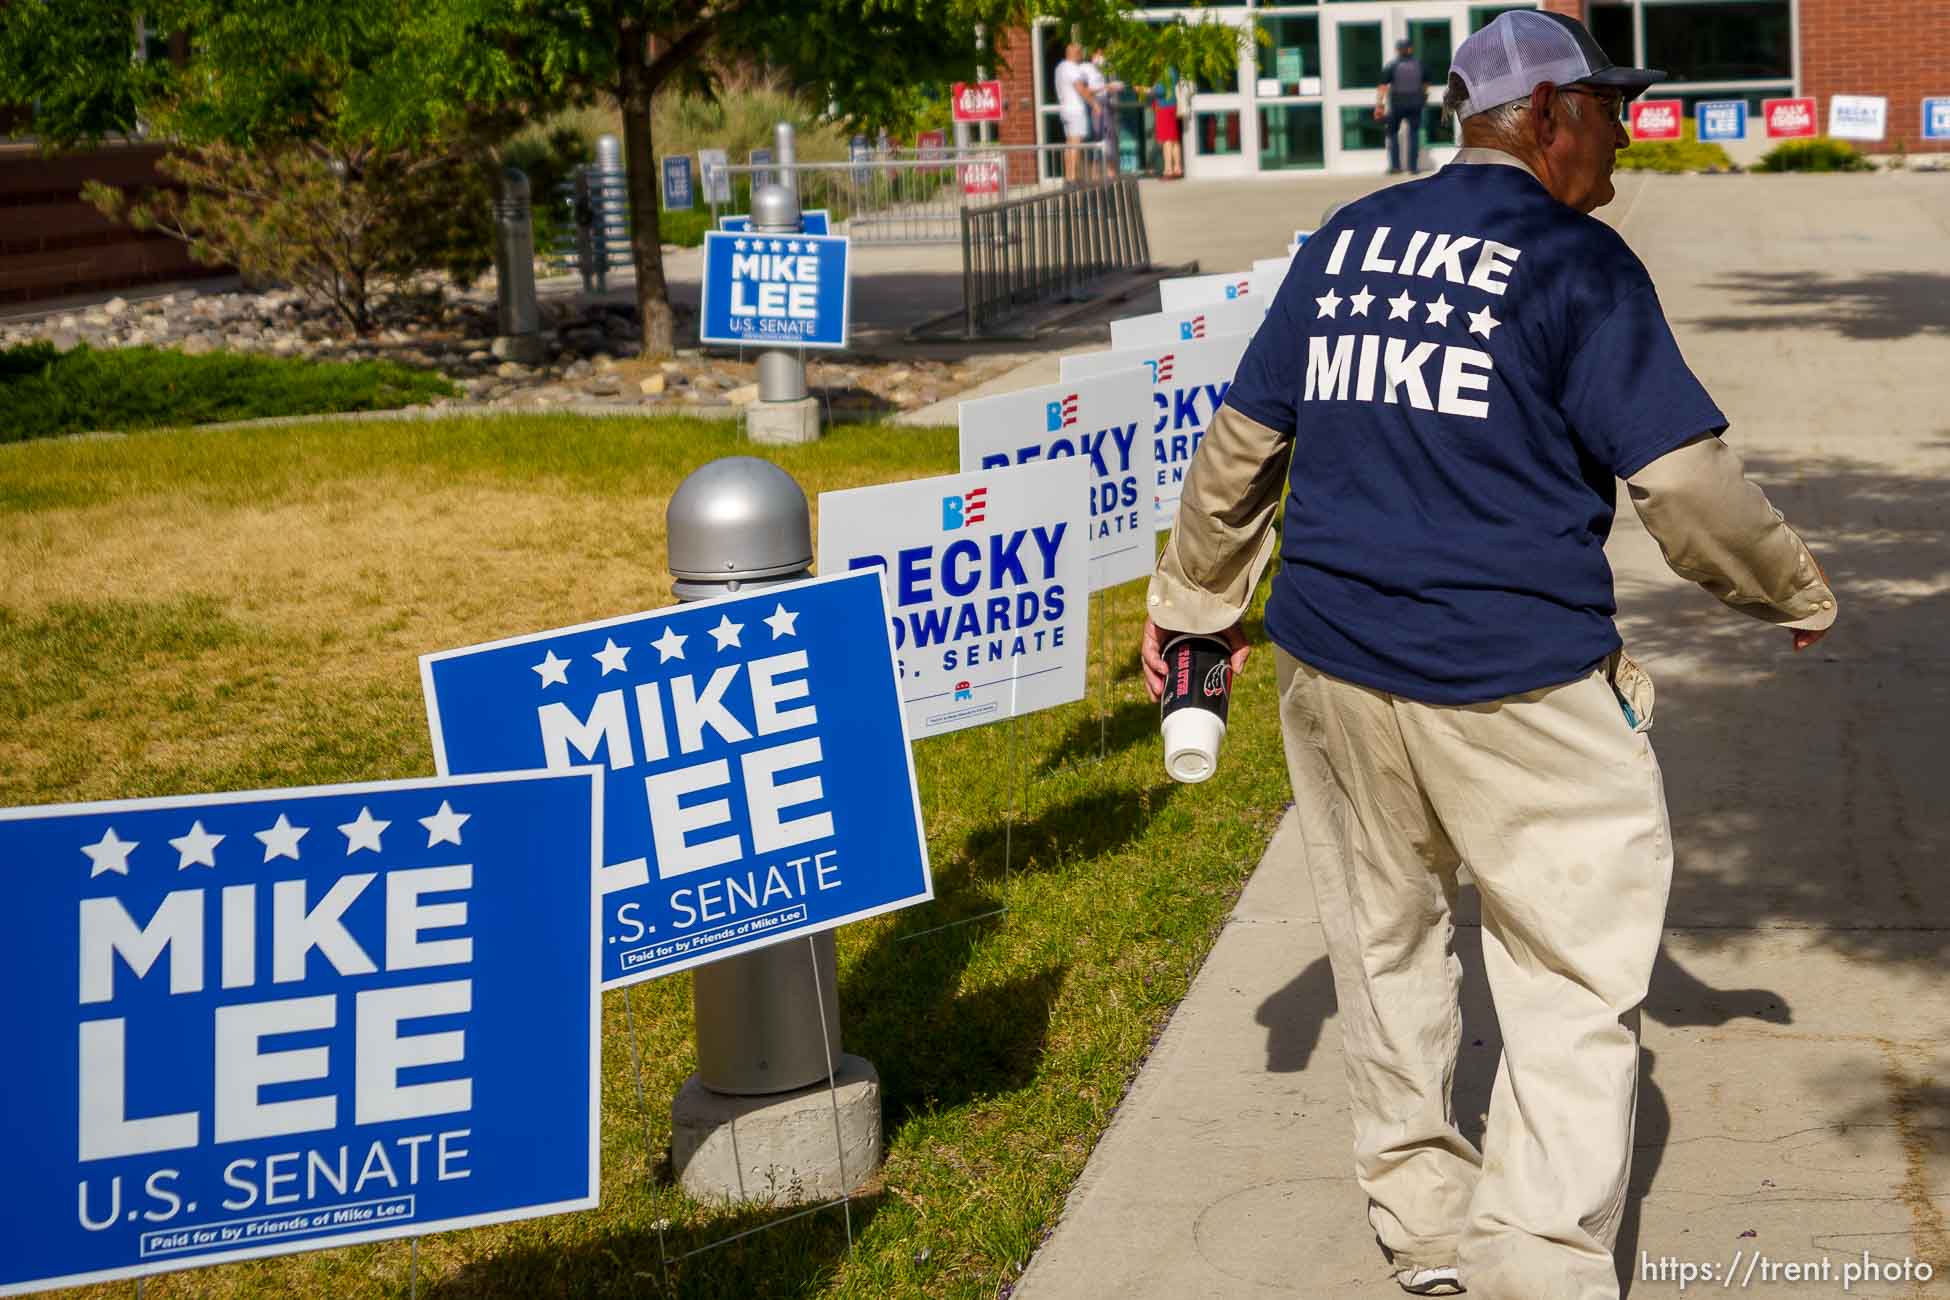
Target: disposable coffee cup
column 1192, row 711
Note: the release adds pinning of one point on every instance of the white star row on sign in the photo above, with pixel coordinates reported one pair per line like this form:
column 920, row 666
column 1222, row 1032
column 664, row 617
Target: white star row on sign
column 554, row 670
column 738, row 245
column 197, row 847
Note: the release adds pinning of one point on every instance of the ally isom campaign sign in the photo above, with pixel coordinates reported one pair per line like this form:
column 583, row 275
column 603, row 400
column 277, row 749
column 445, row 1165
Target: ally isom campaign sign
column 987, row 578
column 1104, row 421
column 760, row 784
column 1187, row 383
column 250, row 1024
column 789, row 290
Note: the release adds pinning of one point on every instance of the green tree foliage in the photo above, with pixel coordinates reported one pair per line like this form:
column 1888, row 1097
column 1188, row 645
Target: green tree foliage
column 373, row 90
column 316, row 148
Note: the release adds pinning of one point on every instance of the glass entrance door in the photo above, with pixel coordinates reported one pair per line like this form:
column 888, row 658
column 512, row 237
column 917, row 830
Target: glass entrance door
column 1357, row 42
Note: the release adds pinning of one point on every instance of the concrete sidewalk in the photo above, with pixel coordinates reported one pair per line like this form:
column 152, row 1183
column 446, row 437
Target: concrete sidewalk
column 1227, row 1170
column 1795, row 1096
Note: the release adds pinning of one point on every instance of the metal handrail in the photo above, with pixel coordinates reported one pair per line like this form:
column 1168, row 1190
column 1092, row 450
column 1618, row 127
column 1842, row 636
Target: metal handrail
column 1020, row 252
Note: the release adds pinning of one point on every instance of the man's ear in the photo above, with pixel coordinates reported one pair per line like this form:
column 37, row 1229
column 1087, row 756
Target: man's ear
column 1541, row 121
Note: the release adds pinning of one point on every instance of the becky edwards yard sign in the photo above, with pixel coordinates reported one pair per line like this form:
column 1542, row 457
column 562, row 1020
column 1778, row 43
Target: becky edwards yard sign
column 251, row 1024
column 987, row 579
column 1101, row 421
column 760, row 784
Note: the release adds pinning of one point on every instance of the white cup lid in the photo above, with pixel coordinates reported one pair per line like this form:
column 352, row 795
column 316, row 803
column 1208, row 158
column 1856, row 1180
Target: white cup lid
column 1192, row 737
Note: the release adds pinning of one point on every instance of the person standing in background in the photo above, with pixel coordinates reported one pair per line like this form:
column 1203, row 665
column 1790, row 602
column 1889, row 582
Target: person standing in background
column 1164, row 110
column 1403, row 93
column 1103, row 108
column 1074, row 103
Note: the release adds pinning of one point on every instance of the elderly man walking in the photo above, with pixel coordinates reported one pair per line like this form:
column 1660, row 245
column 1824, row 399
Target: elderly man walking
column 1460, row 369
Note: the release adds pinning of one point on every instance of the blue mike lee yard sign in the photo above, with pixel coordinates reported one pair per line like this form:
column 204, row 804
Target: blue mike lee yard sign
column 249, row 1024
column 783, row 290
column 760, row 784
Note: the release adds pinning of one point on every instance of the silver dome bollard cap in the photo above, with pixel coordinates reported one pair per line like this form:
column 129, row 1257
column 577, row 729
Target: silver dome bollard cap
column 775, row 208
column 736, row 522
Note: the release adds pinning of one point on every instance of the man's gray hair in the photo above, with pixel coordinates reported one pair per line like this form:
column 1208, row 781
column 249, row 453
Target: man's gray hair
column 1505, row 121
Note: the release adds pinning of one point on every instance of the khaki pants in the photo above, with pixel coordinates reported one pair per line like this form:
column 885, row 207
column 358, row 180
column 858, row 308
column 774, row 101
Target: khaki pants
column 1555, row 802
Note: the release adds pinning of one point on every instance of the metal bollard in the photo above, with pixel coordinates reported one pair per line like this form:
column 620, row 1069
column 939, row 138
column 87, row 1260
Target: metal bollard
column 781, row 371
column 514, row 272
column 734, row 525
column 775, row 1112
column 784, row 412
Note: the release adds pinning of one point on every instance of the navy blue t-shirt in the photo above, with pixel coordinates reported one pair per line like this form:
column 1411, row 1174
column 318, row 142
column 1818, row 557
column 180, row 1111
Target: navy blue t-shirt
column 1467, row 366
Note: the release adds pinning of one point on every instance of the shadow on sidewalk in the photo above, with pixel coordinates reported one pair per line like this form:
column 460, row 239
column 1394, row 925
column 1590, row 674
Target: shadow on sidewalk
column 1296, row 1016
column 1877, row 307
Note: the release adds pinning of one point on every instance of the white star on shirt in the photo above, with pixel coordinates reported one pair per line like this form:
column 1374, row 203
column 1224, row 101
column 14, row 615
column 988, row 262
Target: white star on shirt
column 109, row 854
column 444, row 826
column 1439, row 310
column 363, row 833
column 196, row 847
column 669, row 646
column 611, row 656
column 1329, row 304
column 553, row 671
column 281, row 840
column 1359, row 302
column 781, row 622
column 726, row 632
column 1399, row 308
column 1481, row 322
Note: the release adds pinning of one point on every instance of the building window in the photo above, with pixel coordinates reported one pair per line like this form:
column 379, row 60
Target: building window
column 1290, row 137
column 1294, row 55
column 1431, row 40
column 1218, row 133
column 1709, row 40
column 1360, row 55
column 1611, row 27
column 1359, row 130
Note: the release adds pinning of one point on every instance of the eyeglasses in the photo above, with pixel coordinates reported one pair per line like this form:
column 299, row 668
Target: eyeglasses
column 1610, row 103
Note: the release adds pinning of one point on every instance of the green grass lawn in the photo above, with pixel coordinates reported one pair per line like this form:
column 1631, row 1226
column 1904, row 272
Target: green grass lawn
column 44, row 393
column 234, row 609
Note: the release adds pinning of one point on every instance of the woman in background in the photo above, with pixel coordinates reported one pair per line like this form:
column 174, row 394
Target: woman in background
column 1164, row 104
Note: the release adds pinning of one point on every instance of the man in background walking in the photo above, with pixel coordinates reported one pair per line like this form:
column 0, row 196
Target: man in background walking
column 1403, row 93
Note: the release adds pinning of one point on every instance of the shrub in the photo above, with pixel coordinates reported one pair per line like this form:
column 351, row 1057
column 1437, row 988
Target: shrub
column 341, row 222
column 1820, row 154
column 1686, row 154
column 45, row 392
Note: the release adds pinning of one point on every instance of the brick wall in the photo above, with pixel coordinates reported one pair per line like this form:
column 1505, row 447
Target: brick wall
column 1016, row 67
column 52, row 243
column 1897, row 48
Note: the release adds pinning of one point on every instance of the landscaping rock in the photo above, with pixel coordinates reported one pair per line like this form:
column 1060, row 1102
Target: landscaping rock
column 652, row 386
column 743, row 395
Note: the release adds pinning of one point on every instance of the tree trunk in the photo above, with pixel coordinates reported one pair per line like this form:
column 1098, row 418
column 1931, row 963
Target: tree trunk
column 640, row 165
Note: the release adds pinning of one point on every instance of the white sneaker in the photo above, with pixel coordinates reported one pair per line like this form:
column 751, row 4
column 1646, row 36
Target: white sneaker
column 1430, row 1281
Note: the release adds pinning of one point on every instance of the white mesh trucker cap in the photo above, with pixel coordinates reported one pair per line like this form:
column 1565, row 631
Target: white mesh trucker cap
column 1523, row 48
